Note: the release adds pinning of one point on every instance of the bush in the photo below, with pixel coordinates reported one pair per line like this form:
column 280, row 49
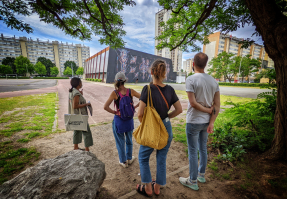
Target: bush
column 50, row 77
column 244, row 127
column 261, row 85
column 94, row 80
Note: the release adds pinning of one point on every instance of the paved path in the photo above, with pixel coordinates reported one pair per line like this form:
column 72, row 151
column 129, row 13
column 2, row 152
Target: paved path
column 224, row 90
column 25, row 84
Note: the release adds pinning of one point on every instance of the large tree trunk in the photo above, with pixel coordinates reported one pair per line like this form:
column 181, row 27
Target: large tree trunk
column 272, row 25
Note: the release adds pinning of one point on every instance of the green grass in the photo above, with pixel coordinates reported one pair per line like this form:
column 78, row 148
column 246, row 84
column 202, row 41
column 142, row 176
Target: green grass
column 213, row 165
column 33, row 114
column 226, row 176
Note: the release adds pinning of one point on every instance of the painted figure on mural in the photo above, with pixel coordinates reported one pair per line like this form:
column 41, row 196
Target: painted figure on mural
column 167, row 71
column 143, row 68
column 123, row 58
column 133, row 60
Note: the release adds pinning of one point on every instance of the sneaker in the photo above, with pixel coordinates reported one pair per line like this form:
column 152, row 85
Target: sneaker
column 186, row 182
column 131, row 161
column 125, row 165
column 201, row 178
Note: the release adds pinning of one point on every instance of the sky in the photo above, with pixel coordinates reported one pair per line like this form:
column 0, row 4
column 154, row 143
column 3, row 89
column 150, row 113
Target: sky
column 139, row 25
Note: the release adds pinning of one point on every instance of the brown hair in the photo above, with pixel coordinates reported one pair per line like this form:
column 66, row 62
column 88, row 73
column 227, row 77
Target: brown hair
column 158, row 69
column 75, row 82
column 200, row 60
column 117, row 84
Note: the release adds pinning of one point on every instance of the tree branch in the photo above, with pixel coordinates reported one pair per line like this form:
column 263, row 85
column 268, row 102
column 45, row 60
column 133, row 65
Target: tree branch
column 89, row 11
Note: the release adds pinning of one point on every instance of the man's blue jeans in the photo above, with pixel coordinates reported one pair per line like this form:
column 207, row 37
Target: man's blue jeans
column 197, row 135
column 124, row 143
column 144, row 155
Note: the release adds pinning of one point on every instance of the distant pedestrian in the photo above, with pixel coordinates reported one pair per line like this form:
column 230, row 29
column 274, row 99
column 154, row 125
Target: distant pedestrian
column 123, row 123
column 78, row 102
column 203, row 108
column 137, row 80
column 163, row 97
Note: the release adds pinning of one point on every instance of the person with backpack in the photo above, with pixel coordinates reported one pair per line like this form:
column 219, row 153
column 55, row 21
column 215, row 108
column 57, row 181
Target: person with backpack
column 163, row 97
column 123, row 123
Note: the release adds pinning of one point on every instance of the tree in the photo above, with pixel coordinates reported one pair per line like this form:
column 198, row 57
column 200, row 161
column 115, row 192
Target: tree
column 5, row 69
column 249, row 66
column 47, row 63
column 10, row 62
column 80, row 71
column 269, row 73
column 68, row 71
column 40, row 68
column 223, row 65
column 71, row 64
column 192, row 21
column 189, row 74
column 79, row 19
column 54, row 71
column 23, row 65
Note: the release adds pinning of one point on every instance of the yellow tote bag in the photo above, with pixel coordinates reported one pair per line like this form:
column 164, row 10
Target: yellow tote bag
column 151, row 132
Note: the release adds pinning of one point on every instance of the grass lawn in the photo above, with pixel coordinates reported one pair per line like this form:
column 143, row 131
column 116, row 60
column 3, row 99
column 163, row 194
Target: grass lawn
column 22, row 119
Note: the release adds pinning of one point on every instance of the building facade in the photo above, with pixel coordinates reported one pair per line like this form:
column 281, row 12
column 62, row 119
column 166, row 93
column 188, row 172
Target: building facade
column 174, row 55
column 224, row 42
column 57, row 52
column 187, row 65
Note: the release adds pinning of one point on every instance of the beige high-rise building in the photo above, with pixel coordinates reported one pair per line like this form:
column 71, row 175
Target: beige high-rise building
column 187, row 65
column 224, row 42
column 174, row 55
column 57, row 52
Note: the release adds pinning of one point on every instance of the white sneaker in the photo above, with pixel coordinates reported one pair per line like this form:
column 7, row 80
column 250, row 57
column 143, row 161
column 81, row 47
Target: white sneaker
column 125, row 165
column 186, row 182
column 131, row 161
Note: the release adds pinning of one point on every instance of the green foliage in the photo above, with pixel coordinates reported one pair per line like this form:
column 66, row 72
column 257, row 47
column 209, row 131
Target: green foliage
column 10, row 62
column 223, row 65
column 261, row 85
column 189, row 74
column 68, row 71
column 94, row 80
column 269, row 73
column 23, row 65
column 80, row 71
column 248, row 66
column 79, row 19
column 47, row 63
column 40, row 68
column 245, row 126
column 23, row 140
column 5, row 69
column 71, row 64
column 54, row 71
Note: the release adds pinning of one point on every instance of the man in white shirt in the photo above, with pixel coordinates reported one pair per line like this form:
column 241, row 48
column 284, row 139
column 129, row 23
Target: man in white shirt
column 203, row 108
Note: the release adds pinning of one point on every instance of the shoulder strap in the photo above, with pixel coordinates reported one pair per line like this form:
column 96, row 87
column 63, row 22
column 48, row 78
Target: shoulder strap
column 162, row 96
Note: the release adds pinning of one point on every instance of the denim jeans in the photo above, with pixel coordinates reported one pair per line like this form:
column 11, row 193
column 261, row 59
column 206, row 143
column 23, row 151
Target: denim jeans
column 196, row 139
column 144, row 155
column 124, row 144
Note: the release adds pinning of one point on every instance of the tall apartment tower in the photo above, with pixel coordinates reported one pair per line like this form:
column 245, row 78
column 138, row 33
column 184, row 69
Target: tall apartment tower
column 57, row 52
column 187, row 65
column 174, row 55
column 224, row 42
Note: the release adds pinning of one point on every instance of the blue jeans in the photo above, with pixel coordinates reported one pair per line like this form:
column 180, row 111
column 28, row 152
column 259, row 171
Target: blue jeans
column 124, row 144
column 196, row 139
column 144, row 155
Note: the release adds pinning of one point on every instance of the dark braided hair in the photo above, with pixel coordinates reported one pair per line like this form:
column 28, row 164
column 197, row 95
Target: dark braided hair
column 75, row 82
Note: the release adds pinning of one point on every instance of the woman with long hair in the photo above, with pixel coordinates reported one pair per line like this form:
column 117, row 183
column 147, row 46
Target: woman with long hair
column 79, row 104
column 162, row 95
column 123, row 123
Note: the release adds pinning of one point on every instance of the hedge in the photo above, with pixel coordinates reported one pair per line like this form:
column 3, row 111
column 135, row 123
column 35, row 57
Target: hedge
column 50, row 77
column 93, row 80
column 261, row 85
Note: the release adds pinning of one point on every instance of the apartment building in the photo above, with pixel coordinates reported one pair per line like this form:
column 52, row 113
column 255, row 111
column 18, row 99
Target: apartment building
column 57, row 52
column 174, row 55
column 187, row 65
column 224, row 42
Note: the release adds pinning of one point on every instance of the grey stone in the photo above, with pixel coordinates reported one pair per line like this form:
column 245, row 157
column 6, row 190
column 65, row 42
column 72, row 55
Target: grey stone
column 76, row 174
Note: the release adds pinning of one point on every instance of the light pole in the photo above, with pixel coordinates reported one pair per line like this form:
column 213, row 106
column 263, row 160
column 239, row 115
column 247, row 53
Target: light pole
column 72, row 70
column 239, row 70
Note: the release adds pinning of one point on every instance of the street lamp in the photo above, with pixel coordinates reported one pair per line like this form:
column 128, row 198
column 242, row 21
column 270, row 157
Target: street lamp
column 72, row 70
column 239, row 70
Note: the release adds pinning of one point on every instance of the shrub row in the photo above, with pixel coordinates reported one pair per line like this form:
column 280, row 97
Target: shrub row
column 261, row 85
column 93, row 80
column 50, row 77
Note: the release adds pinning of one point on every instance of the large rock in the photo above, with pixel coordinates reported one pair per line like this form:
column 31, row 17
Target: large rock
column 76, row 174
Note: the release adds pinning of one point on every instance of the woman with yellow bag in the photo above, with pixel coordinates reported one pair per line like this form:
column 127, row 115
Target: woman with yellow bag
column 159, row 97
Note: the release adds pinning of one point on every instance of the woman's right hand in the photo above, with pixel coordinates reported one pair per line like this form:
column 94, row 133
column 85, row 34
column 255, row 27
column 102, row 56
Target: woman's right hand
column 88, row 104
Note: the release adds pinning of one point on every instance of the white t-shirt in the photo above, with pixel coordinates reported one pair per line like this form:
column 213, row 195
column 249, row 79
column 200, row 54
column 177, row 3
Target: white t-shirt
column 204, row 87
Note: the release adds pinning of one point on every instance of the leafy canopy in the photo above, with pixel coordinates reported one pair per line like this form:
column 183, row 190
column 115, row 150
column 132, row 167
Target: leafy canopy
column 5, row 69
column 68, row 71
column 47, row 63
column 71, row 64
column 54, row 71
column 10, row 62
column 79, row 19
column 23, row 65
column 40, row 68
column 80, row 71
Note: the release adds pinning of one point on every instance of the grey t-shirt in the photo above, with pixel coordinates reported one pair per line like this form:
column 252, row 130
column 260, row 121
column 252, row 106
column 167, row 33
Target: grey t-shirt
column 204, row 87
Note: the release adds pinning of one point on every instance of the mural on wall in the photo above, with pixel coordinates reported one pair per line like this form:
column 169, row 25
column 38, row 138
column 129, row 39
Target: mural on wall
column 136, row 65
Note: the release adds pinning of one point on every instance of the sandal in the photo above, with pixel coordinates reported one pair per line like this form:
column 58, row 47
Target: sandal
column 152, row 185
column 142, row 192
column 80, row 149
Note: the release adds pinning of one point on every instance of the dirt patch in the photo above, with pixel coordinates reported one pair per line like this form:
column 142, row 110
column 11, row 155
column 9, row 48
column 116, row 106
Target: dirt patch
column 121, row 181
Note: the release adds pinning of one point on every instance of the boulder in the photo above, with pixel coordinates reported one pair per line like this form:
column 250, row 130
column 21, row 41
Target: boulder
column 76, row 174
